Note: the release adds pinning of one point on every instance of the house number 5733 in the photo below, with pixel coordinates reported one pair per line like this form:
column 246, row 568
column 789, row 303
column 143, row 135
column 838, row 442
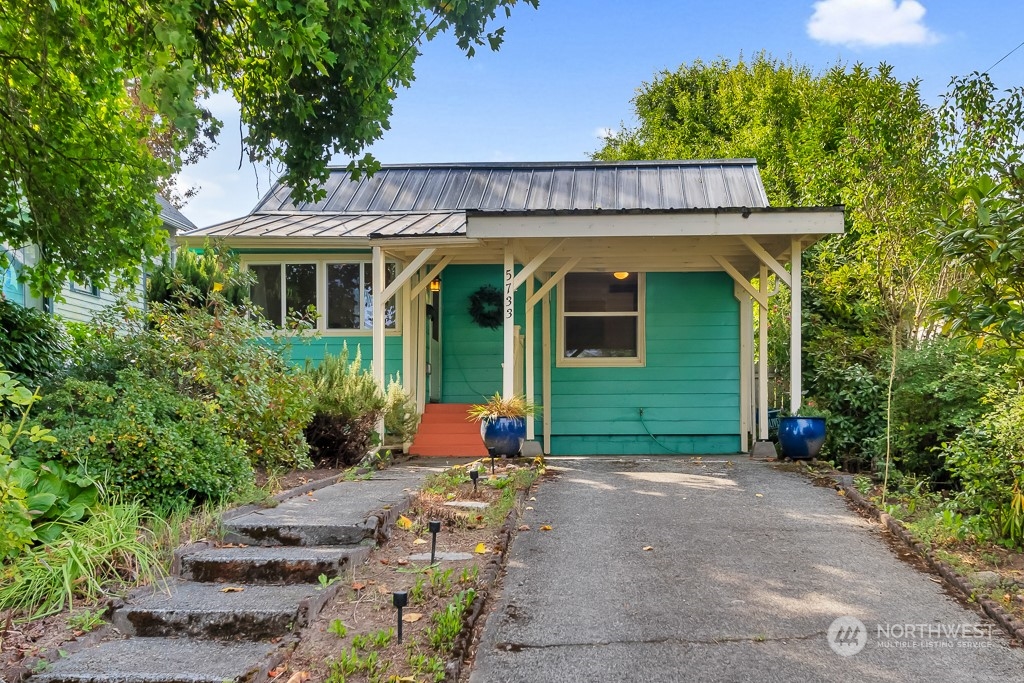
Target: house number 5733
column 508, row 293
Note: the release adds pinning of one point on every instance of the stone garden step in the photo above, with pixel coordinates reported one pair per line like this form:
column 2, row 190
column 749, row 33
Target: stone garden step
column 208, row 610
column 271, row 565
column 345, row 513
column 165, row 660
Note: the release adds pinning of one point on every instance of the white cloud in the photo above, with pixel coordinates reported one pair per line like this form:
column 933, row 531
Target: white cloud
column 870, row 23
column 604, row 132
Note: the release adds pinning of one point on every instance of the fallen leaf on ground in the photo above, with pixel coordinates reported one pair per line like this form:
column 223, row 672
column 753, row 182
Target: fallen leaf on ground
column 274, row 673
column 524, row 527
column 419, row 541
column 299, row 677
column 648, row 547
column 759, row 495
column 480, row 548
column 403, row 561
column 410, row 617
column 841, row 492
column 385, row 560
column 546, row 527
column 529, row 507
column 231, row 589
column 404, row 522
column 358, row 585
column 532, row 499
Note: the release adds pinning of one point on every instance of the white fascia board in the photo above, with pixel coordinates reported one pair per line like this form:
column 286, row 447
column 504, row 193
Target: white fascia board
column 776, row 222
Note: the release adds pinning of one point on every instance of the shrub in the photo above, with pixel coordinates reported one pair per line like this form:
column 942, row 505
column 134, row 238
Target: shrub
column 142, row 437
column 938, row 392
column 348, row 404
column 33, row 345
column 212, row 354
column 987, row 463
column 854, row 399
column 400, row 415
column 194, row 276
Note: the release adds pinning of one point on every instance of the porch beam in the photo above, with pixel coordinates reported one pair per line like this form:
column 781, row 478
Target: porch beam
column 508, row 316
column 407, row 272
column 740, row 280
column 434, row 272
column 795, row 340
column 762, row 358
column 767, row 259
column 553, row 280
column 537, row 261
column 377, row 364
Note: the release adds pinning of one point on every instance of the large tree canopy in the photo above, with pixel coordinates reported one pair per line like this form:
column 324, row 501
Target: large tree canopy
column 314, row 78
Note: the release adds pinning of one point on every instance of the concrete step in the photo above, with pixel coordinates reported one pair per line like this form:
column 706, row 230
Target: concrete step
column 165, row 660
column 204, row 610
column 346, row 513
column 271, row 565
column 448, row 450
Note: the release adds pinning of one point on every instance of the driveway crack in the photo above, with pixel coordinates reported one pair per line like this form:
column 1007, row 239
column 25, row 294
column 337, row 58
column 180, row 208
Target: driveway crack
column 516, row 647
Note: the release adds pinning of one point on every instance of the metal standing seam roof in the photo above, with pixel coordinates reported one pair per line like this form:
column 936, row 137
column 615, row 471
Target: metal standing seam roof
column 170, row 215
column 431, row 199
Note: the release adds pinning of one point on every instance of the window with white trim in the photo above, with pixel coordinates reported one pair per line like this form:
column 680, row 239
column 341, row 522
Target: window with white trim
column 601, row 319
column 340, row 291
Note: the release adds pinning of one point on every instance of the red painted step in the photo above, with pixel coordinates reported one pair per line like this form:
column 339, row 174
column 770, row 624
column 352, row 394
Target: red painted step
column 445, row 431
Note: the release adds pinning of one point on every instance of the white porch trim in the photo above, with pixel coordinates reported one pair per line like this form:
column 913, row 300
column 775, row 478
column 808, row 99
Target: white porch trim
column 795, row 340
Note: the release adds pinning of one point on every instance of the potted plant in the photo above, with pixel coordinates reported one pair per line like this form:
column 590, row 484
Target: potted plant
column 802, row 435
column 503, row 423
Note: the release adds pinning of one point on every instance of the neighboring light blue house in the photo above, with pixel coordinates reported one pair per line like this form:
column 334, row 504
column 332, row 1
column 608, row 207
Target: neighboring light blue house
column 617, row 295
column 80, row 301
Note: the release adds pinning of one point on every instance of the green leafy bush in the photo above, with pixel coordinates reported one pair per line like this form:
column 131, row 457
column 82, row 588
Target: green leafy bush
column 192, row 277
column 33, row 345
column 986, row 462
column 142, row 437
column 213, row 354
column 400, row 416
column 348, row 404
column 938, row 392
column 854, row 399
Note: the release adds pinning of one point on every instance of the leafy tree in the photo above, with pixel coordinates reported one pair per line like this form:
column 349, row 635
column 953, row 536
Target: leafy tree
column 314, row 78
column 980, row 223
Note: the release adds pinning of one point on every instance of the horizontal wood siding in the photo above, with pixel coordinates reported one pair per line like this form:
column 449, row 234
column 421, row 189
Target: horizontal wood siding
column 313, row 351
column 689, row 389
column 82, row 306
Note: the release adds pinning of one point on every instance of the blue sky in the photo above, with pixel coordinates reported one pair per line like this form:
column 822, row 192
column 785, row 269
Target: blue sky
column 568, row 70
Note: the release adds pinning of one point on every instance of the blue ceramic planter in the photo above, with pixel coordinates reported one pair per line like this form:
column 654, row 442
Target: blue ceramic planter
column 503, row 436
column 801, row 437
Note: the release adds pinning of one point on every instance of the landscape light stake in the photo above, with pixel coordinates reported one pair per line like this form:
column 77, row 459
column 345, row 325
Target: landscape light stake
column 400, row 600
column 492, row 461
column 435, row 526
column 474, row 475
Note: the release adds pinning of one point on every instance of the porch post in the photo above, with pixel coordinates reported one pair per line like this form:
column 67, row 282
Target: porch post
column 795, row 355
column 746, row 364
column 545, row 368
column 378, row 325
column 508, row 315
column 528, row 359
column 762, row 359
column 408, row 337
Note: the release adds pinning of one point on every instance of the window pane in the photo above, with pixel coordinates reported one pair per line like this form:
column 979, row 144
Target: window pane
column 390, row 313
column 301, row 286
column 266, row 292
column 601, row 337
column 343, row 296
column 600, row 292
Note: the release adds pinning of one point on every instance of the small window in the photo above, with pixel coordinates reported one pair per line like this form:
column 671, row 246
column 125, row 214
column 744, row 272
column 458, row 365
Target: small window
column 85, row 287
column 602, row 319
column 299, row 289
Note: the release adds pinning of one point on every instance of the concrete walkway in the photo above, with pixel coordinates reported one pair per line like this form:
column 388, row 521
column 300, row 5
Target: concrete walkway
column 749, row 568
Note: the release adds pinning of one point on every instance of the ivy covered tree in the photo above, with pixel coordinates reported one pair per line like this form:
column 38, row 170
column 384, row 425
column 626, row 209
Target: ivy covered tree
column 86, row 83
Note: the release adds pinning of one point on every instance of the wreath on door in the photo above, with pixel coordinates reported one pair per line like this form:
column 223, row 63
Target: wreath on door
column 485, row 307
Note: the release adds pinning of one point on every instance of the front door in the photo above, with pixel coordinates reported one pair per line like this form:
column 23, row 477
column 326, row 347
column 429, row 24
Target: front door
column 434, row 348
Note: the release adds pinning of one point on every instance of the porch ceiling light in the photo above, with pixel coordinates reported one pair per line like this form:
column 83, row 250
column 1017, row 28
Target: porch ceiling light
column 621, row 274
column 435, row 285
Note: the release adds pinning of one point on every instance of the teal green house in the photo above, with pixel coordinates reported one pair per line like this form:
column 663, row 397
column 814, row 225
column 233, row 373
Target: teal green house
column 619, row 296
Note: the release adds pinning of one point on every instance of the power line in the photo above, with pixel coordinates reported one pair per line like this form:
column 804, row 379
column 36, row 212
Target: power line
column 1004, row 57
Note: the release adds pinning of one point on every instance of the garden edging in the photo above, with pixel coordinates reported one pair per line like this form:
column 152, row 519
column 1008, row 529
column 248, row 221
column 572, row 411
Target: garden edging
column 1013, row 627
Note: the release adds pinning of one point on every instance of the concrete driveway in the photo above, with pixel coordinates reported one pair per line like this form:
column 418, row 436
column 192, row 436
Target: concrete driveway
column 750, row 567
